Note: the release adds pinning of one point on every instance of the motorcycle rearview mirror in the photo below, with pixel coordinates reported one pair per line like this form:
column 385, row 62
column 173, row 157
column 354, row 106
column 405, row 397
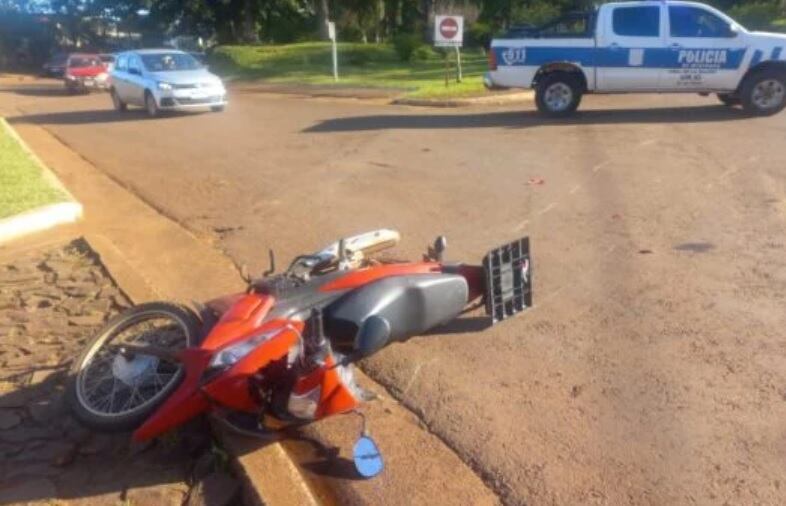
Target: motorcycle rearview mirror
column 365, row 454
column 272, row 267
column 437, row 251
column 367, row 457
column 244, row 273
column 373, row 335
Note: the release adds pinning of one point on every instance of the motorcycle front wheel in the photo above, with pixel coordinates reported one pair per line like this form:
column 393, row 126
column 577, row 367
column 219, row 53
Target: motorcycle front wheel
column 113, row 390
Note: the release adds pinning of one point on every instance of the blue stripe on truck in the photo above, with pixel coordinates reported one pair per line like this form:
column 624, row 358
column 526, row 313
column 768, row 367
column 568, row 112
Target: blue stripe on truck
column 665, row 58
column 756, row 58
column 776, row 53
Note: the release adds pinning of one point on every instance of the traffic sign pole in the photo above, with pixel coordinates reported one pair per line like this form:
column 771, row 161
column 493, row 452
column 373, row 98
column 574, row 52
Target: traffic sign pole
column 447, row 69
column 459, row 77
column 332, row 36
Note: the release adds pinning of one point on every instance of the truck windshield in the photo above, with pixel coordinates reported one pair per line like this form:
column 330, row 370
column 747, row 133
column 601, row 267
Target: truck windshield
column 167, row 62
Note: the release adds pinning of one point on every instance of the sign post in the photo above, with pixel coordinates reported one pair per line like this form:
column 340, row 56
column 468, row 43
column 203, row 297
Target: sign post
column 449, row 32
column 332, row 37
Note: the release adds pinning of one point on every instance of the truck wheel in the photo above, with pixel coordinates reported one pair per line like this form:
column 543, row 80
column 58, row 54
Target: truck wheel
column 729, row 99
column 558, row 94
column 764, row 93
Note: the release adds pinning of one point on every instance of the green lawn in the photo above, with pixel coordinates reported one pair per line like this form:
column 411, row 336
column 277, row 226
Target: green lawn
column 363, row 65
column 22, row 183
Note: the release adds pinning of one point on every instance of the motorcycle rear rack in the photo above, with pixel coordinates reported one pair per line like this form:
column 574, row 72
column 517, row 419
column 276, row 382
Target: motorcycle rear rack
column 508, row 280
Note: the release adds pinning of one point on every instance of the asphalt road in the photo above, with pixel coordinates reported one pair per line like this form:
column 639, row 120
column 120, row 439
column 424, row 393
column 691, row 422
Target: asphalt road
column 652, row 369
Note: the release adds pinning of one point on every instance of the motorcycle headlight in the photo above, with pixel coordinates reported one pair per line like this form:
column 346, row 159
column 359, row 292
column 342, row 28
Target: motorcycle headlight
column 164, row 86
column 230, row 355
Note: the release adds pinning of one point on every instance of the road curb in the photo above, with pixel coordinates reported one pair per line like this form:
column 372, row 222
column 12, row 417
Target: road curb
column 39, row 219
column 44, row 217
column 390, row 96
column 503, row 99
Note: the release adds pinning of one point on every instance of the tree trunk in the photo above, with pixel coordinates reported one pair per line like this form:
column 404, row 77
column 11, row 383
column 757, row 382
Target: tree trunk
column 250, row 34
column 323, row 15
column 426, row 7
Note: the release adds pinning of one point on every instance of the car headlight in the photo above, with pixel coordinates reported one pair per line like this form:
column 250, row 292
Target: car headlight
column 164, row 86
column 230, row 355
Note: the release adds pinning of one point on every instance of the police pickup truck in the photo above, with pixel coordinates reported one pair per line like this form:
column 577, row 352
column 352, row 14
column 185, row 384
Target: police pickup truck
column 644, row 46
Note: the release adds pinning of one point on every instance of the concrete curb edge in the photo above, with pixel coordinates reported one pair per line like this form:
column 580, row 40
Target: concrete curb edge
column 510, row 98
column 44, row 217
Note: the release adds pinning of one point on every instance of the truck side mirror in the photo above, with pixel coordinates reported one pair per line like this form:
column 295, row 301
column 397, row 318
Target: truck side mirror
column 734, row 31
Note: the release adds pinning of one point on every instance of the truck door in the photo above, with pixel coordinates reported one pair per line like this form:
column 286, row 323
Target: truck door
column 705, row 50
column 629, row 35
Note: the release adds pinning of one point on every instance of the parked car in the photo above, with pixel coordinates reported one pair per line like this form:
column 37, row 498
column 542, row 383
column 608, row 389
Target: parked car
column 645, row 46
column 109, row 63
column 84, row 72
column 108, row 60
column 164, row 79
column 55, row 66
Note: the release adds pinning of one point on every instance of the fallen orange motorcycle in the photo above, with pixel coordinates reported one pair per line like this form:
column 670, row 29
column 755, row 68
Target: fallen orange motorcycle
column 282, row 352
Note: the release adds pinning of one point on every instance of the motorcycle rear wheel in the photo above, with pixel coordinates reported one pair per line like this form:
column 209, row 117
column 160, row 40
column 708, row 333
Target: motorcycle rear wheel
column 110, row 391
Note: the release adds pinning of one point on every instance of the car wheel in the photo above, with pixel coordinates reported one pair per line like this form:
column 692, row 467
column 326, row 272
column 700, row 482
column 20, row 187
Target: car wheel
column 217, row 108
column 558, row 94
column 120, row 106
column 150, row 105
column 764, row 93
column 729, row 100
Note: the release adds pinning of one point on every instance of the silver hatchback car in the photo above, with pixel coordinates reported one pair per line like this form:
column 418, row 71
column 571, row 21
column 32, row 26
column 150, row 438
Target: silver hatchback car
column 164, row 79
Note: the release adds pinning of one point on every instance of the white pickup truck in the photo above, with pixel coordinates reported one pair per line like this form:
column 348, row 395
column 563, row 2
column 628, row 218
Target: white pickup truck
column 646, row 46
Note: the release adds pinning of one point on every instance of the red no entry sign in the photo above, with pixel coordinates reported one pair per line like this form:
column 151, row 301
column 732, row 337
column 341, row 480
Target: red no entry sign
column 449, row 28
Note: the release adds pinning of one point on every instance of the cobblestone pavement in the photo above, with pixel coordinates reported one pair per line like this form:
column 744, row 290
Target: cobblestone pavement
column 52, row 301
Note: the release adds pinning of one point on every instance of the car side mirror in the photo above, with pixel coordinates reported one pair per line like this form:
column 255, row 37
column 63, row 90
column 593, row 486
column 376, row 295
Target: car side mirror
column 373, row 335
column 135, row 72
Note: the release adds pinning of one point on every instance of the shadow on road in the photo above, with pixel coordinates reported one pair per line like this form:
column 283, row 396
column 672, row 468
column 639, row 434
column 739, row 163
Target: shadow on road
column 526, row 119
column 38, row 91
column 90, row 117
column 466, row 325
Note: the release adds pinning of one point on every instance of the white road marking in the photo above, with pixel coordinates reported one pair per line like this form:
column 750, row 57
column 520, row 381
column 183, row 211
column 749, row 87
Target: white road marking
column 522, row 225
column 648, row 143
column 415, row 374
column 728, row 172
column 547, row 208
column 575, row 189
column 600, row 165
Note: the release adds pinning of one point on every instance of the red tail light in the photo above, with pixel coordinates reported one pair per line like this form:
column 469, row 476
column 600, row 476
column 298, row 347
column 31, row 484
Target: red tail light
column 492, row 59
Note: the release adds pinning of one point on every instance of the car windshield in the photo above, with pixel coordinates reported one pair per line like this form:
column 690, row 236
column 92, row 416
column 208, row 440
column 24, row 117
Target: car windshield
column 107, row 58
column 83, row 61
column 166, row 62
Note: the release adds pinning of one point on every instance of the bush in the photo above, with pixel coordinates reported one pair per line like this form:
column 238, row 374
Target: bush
column 480, row 35
column 756, row 16
column 406, row 44
column 423, row 53
column 358, row 58
column 351, row 33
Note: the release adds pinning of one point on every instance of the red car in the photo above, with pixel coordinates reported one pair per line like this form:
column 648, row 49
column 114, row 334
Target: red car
column 84, row 72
